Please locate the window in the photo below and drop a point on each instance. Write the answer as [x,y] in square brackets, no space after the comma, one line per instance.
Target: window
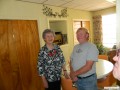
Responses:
[109,30]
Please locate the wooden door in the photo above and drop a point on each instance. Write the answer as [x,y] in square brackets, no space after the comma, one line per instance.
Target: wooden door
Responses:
[86,24]
[19,46]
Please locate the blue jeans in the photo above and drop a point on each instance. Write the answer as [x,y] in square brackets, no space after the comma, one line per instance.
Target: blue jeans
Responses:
[88,83]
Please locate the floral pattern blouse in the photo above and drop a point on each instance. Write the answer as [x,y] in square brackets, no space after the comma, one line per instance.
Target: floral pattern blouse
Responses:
[50,63]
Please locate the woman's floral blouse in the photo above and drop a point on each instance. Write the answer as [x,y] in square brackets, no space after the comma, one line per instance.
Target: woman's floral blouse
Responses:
[50,63]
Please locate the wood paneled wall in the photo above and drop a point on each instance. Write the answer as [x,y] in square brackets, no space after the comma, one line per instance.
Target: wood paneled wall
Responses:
[19,46]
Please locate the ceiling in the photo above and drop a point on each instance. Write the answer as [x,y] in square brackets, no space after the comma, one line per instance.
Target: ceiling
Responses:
[88,5]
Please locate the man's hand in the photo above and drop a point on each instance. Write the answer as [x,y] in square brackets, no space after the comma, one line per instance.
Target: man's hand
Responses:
[72,75]
[75,79]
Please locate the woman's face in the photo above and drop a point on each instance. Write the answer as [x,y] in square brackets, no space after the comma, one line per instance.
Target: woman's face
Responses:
[116,69]
[49,38]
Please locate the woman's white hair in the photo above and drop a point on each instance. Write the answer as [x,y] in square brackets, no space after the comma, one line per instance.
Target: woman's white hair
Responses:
[47,31]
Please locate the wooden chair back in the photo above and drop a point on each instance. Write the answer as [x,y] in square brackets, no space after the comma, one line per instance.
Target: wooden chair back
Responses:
[103,57]
[67,84]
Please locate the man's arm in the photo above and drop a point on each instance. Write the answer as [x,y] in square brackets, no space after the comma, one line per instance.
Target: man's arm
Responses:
[71,69]
[87,67]
[71,73]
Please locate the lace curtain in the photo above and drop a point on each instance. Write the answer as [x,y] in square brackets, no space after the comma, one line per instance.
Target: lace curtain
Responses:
[97,29]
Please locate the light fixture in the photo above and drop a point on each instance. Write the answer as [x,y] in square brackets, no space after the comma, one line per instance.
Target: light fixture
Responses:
[113,1]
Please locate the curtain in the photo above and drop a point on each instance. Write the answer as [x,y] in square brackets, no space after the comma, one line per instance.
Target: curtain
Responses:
[97,29]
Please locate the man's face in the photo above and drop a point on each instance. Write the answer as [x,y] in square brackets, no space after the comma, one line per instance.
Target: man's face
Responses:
[82,36]
[116,69]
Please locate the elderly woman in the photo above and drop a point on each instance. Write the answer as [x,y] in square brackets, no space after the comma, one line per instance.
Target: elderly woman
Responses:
[116,69]
[51,62]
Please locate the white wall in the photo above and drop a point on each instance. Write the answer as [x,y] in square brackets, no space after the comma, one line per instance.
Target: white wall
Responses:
[118,20]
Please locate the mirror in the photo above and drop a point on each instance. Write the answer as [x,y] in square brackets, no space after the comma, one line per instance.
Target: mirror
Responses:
[60,29]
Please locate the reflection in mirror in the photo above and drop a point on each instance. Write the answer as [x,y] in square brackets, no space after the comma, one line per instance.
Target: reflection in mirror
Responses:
[60,29]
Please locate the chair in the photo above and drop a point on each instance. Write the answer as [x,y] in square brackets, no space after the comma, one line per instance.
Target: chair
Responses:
[103,57]
[67,84]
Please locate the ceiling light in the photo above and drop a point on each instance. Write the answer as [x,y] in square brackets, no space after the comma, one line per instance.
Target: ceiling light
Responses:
[111,0]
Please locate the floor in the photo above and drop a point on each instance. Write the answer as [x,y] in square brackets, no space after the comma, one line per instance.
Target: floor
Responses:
[113,87]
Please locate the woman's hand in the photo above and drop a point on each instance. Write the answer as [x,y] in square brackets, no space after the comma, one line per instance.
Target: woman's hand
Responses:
[45,82]
[66,75]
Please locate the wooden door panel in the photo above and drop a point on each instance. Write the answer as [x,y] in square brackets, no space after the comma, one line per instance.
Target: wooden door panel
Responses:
[27,53]
[86,24]
[24,55]
[5,63]
[14,43]
[19,43]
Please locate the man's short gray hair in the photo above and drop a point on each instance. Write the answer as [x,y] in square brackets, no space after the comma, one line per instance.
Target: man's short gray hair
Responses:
[82,29]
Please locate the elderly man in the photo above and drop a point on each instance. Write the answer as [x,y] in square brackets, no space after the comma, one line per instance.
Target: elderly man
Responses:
[83,62]
[116,69]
